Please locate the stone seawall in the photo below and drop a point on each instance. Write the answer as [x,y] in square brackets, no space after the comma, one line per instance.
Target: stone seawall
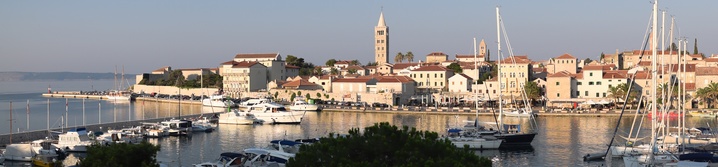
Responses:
[34,135]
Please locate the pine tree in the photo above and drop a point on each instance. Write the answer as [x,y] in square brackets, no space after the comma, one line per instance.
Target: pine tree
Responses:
[695,46]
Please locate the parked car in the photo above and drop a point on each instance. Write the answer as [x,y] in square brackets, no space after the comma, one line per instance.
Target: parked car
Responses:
[379,105]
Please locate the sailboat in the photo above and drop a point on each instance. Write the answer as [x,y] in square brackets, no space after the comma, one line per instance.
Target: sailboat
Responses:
[511,134]
[118,94]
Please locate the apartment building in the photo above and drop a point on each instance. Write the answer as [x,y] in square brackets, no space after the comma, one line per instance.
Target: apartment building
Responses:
[242,77]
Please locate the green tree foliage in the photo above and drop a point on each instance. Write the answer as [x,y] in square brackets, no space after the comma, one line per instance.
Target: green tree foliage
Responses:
[334,71]
[326,96]
[276,94]
[319,95]
[317,71]
[619,91]
[307,96]
[121,154]
[490,74]
[533,91]
[709,94]
[386,145]
[398,58]
[330,62]
[305,71]
[294,95]
[673,47]
[354,63]
[371,63]
[352,71]
[455,67]
[409,56]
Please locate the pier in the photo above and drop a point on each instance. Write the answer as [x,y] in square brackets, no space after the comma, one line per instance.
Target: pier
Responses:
[73,94]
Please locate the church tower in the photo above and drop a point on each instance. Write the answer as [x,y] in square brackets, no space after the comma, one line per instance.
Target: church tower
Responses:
[381,43]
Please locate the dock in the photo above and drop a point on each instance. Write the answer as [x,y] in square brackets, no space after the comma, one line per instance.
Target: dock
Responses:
[73,94]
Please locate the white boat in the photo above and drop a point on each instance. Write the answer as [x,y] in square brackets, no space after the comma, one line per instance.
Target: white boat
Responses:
[265,157]
[301,105]
[218,101]
[518,113]
[475,141]
[119,136]
[177,127]
[75,140]
[237,117]
[254,101]
[227,159]
[18,152]
[118,96]
[275,113]
[155,130]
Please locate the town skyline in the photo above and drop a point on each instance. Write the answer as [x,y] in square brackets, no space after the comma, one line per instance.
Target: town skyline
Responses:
[142,36]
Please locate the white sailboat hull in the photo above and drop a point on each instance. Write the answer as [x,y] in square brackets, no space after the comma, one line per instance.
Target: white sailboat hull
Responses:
[309,107]
[214,103]
[119,98]
[237,118]
[288,117]
[475,143]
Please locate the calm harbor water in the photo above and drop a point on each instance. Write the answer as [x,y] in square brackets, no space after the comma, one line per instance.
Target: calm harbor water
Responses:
[561,141]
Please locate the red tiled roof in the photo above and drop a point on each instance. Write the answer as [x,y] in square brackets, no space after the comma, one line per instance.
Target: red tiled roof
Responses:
[610,75]
[402,79]
[352,79]
[161,69]
[401,66]
[432,68]
[578,75]
[358,68]
[256,55]
[706,71]
[643,75]
[517,59]
[539,69]
[712,59]
[299,82]
[244,64]
[596,68]
[560,74]
[566,56]
[370,67]
[465,76]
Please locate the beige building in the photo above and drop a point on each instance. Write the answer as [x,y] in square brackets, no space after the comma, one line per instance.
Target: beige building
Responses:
[705,76]
[436,57]
[276,69]
[385,68]
[291,70]
[381,36]
[565,62]
[243,77]
[514,73]
[325,81]
[431,78]
[559,86]
[301,84]
[361,71]
[460,83]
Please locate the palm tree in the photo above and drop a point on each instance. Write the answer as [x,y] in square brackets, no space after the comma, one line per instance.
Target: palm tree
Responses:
[708,93]
[334,71]
[398,58]
[409,56]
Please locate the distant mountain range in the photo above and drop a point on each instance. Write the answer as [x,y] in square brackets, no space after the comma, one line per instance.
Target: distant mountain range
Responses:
[56,76]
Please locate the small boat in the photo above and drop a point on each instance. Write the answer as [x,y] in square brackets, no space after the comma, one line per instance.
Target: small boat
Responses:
[671,114]
[227,159]
[155,130]
[177,127]
[286,146]
[265,157]
[518,113]
[301,105]
[218,100]
[18,152]
[45,161]
[120,136]
[276,114]
[75,140]
[703,114]
[254,101]
[237,117]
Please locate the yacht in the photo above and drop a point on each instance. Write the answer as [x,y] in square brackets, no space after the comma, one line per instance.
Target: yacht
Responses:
[238,117]
[275,113]
[75,140]
[254,101]
[18,152]
[155,130]
[301,105]
[227,159]
[474,136]
[118,96]
[120,136]
[177,127]
[218,101]
[518,113]
[265,157]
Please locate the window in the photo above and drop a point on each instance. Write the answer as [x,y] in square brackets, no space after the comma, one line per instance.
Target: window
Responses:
[609,80]
[380,32]
[598,83]
[435,76]
[441,83]
[586,93]
[604,94]
[578,93]
[452,82]
[441,75]
[421,75]
[590,74]
[461,82]
[322,83]
[490,85]
[558,94]
[557,83]
[377,41]
[590,83]
[596,94]
[578,83]
[619,80]
[435,84]
[494,91]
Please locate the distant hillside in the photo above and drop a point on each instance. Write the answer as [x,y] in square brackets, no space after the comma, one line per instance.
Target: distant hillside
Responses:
[55,76]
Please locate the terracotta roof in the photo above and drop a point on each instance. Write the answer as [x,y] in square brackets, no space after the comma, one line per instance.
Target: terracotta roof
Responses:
[161,69]
[706,71]
[436,54]
[299,82]
[596,67]
[696,56]
[228,62]
[358,68]
[256,55]
[402,79]
[539,69]
[578,75]
[352,79]
[244,64]
[465,76]
[432,68]
[469,56]
[610,75]
[517,59]
[560,74]
[343,62]
[566,56]
[712,59]
[644,63]
[643,75]
[401,66]
[291,66]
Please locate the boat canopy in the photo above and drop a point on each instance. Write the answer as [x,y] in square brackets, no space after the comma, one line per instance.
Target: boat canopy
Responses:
[284,142]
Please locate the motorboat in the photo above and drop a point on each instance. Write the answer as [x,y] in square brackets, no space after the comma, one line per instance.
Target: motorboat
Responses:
[118,96]
[227,159]
[155,130]
[119,136]
[218,101]
[177,127]
[19,152]
[301,105]
[518,113]
[287,146]
[74,140]
[276,113]
[45,161]
[254,101]
[238,117]
[265,157]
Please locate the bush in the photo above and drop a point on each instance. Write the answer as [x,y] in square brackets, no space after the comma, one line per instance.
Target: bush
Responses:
[121,154]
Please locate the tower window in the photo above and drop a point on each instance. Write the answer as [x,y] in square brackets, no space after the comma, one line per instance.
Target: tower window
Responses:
[380,32]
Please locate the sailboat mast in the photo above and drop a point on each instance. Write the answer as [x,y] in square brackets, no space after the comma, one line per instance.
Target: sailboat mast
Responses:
[654,76]
[476,96]
[683,95]
[10,122]
[498,73]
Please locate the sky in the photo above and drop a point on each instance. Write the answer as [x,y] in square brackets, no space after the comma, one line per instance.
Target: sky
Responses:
[96,36]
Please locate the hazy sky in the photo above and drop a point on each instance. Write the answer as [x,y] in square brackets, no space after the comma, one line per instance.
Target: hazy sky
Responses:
[94,36]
